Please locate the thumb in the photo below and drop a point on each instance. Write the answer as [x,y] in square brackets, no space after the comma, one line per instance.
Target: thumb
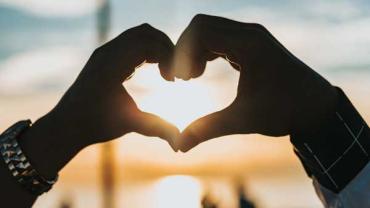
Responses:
[217,124]
[152,125]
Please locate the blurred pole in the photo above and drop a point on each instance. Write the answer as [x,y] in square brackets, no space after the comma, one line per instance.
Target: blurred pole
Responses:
[107,150]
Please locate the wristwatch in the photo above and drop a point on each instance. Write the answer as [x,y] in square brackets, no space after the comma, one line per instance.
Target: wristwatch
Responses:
[17,162]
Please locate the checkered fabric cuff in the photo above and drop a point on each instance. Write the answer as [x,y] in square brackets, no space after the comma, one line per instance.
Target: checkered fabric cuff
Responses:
[337,152]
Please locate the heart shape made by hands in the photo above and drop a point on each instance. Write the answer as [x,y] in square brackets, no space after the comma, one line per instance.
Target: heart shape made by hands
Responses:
[182,102]
[271,96]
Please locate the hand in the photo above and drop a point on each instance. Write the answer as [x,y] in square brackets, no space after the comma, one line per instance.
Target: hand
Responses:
[277,93]
[98,103]
[97,108]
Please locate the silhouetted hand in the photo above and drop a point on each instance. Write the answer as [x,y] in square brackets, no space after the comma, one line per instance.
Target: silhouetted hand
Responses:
[97,108]
[277,93]
[97,103]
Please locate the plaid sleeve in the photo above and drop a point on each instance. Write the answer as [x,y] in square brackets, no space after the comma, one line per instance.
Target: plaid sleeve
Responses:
[339,150]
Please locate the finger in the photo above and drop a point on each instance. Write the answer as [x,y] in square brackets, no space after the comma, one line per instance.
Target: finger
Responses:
[164,53]
[190,54]
[186,66]
[152,125]
[206,38]
[161,54]
[221,123]
[135,46]
[234,41]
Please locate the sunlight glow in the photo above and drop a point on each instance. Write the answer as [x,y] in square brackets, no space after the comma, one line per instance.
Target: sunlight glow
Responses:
[178,191]
[179,102]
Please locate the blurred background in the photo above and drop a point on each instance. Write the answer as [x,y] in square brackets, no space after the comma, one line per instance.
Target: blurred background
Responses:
[44,44]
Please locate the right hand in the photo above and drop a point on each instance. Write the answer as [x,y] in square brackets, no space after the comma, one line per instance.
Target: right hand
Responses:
[277,93]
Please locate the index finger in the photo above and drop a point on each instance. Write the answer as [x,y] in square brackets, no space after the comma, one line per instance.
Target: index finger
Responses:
[208,37]
[120,56]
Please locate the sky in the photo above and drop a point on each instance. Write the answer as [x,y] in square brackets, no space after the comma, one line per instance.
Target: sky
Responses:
[42,40]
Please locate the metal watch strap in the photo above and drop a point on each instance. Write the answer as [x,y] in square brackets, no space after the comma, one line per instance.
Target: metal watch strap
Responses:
[18,164]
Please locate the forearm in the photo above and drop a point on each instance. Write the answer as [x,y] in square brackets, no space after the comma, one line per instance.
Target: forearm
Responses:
[50,144]
[46,147]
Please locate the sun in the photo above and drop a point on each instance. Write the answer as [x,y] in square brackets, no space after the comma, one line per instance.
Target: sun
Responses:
[178,191]
[179,102]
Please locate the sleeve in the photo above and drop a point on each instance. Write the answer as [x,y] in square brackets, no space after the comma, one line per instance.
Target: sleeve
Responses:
[337,155]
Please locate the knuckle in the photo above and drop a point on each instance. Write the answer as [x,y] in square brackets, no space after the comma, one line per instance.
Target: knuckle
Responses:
[141,32]
[258,26]
[196,28]
[199,19]
[259,34]
[259,29]
[138,29]
[104,49]
[99,50]
[145,26]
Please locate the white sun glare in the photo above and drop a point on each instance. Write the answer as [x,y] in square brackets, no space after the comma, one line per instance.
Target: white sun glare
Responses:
[179,102]
[178,191]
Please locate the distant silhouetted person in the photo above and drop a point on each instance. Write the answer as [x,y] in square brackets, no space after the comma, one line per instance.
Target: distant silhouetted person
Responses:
[66,203]
[207,202]
[244,202]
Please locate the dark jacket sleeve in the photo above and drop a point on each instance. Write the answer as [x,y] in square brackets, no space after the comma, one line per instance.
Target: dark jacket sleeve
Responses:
[339,150]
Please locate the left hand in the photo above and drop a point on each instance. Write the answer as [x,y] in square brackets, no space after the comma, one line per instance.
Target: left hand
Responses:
[97,108]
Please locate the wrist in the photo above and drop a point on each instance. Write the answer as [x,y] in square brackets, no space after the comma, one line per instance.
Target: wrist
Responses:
[48,145]
[314,105]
